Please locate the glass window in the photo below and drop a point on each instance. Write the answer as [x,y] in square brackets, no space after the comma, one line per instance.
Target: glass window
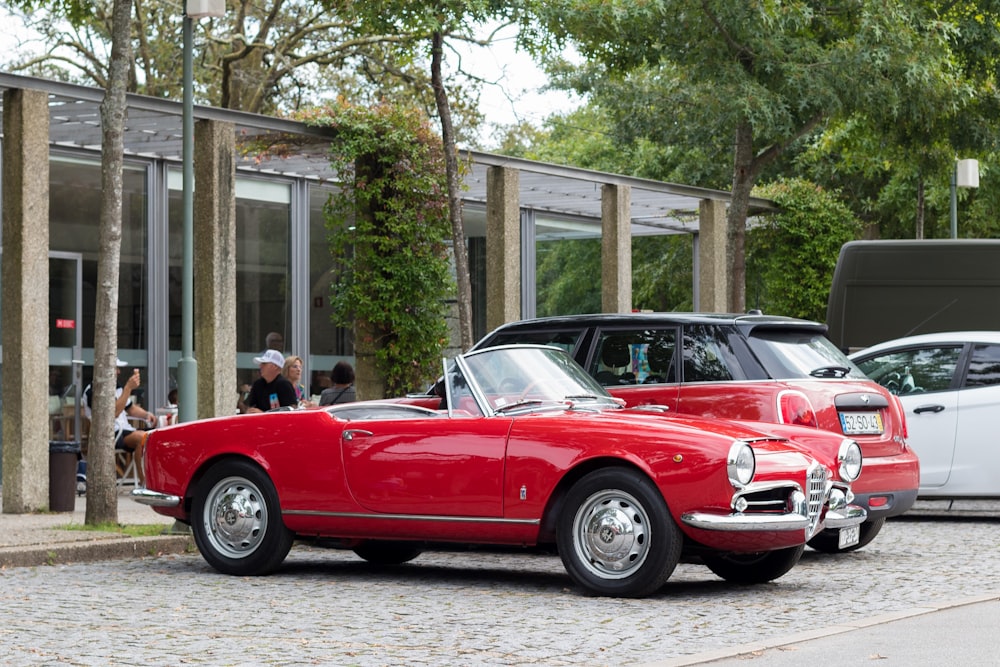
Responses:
[568,269]
[74,219]
[643,356]
[328,343]
[708,356]
[567,340]
[914,371]
[788,354]
[263,272]
[984,366]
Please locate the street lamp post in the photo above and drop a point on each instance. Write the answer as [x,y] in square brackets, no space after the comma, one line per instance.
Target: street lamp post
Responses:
[964,175]
[187,366]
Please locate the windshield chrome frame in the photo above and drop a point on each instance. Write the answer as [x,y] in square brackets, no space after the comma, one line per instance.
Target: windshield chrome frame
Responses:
[477,392]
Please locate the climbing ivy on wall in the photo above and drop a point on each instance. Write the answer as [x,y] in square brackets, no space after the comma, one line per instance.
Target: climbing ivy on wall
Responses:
[389,233]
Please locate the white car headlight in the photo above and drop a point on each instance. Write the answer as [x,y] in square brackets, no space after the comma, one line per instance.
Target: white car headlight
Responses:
[741,464]
[849,458]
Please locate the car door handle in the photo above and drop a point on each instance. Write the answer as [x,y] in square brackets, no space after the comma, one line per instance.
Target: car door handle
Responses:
[927,408]
[353,433]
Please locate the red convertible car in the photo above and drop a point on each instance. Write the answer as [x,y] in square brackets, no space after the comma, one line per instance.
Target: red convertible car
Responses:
[525,449]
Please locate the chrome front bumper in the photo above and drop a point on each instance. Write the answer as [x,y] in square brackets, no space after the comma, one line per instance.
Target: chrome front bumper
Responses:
[154,498]
[848,515]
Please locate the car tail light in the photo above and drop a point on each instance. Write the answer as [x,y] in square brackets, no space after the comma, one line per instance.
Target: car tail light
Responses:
[795,408]
[902,416]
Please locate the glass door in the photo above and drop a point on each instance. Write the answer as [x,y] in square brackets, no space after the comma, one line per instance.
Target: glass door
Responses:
[65,347]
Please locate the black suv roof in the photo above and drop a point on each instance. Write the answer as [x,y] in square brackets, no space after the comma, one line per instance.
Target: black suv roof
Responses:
[745,322]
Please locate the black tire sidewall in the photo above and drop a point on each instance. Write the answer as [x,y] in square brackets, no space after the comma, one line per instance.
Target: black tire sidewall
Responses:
[665,538]
[277,540]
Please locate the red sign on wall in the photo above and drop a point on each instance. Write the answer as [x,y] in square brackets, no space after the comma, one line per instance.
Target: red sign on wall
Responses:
[65,324]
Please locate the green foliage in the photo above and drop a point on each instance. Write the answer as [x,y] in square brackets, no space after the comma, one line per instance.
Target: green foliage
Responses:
[661,272]
[792,254]
[388,230]
[568,277]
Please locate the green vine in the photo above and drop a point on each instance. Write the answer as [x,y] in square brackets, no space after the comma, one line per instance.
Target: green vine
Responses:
[389,233]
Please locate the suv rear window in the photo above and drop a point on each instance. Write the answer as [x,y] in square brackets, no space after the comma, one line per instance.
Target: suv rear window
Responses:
[787,354]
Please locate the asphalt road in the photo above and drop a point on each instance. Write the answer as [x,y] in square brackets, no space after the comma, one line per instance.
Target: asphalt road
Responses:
[328,607]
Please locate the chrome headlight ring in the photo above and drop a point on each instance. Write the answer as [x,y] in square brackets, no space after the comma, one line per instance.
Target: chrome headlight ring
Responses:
[849,460]
[741,464]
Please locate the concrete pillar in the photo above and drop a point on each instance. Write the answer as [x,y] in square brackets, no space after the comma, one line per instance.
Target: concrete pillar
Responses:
[215,266]
[25,309]
[503,247]
[714,266]
[616,248]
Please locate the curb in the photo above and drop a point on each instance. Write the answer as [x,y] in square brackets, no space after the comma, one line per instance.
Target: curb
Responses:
[118,548]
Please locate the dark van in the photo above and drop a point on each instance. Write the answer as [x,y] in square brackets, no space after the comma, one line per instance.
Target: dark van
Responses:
[883,290]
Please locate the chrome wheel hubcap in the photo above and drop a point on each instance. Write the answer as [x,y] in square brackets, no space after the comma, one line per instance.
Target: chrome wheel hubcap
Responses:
[610,534]
[235,517]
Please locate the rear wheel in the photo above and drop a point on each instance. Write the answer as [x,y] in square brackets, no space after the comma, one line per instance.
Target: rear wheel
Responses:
[236,520]
[616,536]
[754,568]
[826,541]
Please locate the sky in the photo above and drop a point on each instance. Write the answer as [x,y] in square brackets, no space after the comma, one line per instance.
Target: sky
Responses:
[518,95]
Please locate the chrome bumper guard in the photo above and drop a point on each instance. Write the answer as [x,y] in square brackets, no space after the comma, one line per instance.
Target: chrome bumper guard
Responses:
[155,498]
[848,515]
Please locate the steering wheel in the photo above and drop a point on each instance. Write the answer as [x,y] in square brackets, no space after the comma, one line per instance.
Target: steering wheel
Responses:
[527,390]
[508,386]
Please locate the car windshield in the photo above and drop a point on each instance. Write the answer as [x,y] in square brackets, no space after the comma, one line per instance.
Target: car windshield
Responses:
[524,377]
[788,354]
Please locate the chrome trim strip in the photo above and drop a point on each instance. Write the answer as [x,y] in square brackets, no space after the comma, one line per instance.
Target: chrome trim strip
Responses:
[413,517]
[154,498]
[745,522]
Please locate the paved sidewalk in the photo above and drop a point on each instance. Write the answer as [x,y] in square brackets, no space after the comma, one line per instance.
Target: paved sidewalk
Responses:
[959,633]
[49,538]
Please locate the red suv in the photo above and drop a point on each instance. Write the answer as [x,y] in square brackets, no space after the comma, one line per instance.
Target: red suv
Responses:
[749,367]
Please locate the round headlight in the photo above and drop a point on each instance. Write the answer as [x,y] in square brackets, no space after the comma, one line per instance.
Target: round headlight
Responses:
[740,464]
[849,458]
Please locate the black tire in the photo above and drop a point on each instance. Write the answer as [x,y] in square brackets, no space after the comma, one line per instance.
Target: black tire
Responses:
[826,541]
[754,568]
[616,536]
[388,553]
[237,522]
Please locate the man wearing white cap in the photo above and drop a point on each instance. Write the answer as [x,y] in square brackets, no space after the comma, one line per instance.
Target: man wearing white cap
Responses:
[272,389]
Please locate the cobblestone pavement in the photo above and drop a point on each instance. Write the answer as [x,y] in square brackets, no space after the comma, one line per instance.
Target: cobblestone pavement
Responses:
[328,607]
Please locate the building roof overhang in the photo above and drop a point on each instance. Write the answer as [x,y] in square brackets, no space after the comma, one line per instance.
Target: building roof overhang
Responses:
[566,200]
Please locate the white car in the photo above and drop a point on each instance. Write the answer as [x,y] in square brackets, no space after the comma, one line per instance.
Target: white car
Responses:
[949,386]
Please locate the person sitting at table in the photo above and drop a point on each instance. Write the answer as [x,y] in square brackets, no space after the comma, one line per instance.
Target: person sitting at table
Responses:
[126,435]
[342,390]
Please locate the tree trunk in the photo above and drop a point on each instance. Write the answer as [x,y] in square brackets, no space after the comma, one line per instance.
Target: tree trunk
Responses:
[736,219]
[102,488]
[368,338]
[463,278]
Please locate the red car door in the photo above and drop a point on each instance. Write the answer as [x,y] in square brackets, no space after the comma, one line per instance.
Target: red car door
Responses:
[437,466]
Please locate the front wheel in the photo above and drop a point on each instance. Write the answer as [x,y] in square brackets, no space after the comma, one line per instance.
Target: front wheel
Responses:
[237,522]
[826,541]
[616,536]
[754,568]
